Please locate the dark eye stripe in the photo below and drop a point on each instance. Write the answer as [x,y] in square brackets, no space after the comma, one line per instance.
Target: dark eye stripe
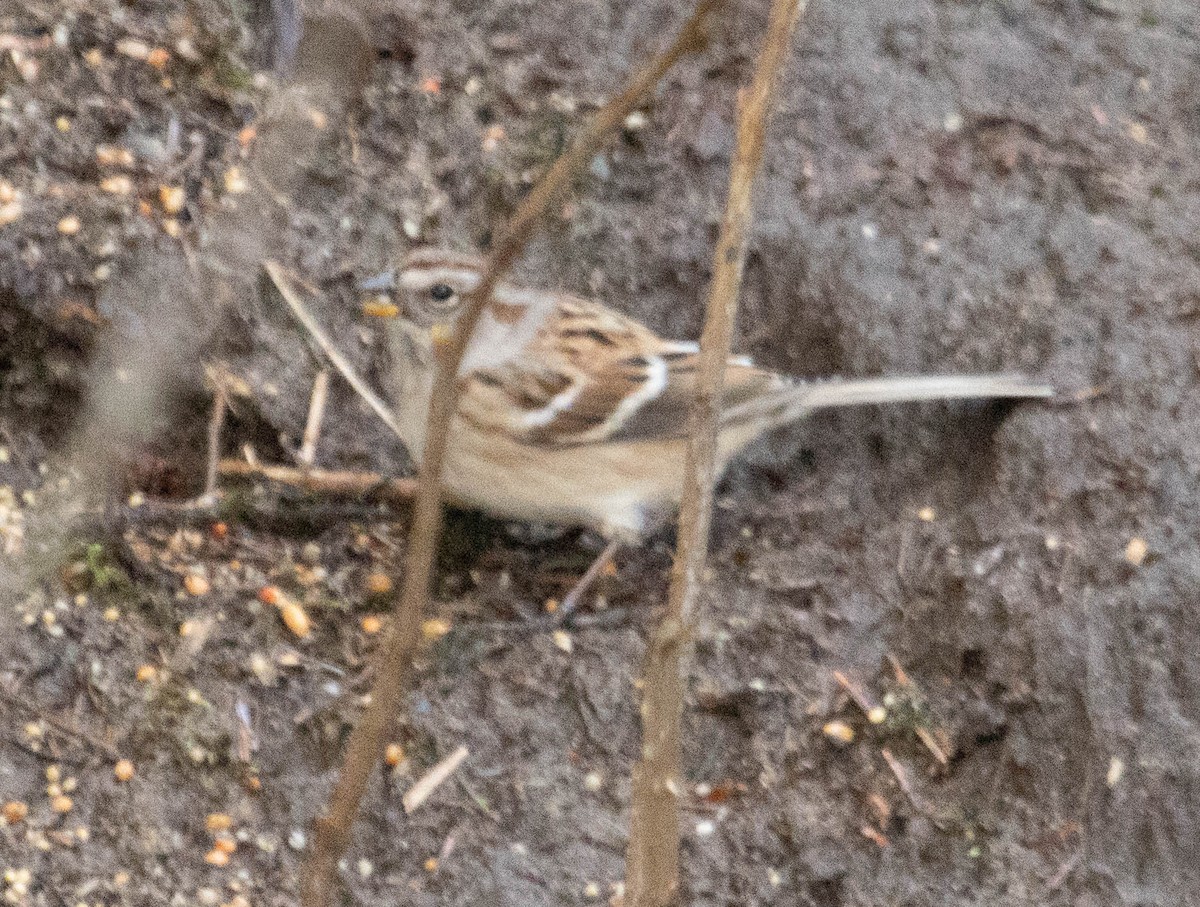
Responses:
[441,291]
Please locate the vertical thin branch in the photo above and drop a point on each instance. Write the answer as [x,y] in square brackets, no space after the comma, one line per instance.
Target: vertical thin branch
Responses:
[317,401]
[216,424]
[652,863]
[394,660]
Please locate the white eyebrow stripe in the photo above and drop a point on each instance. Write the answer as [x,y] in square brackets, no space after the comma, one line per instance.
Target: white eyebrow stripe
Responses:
[417,278]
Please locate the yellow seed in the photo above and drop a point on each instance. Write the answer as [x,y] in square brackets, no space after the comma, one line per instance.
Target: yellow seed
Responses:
[435,628]
[235,183]
[379,583]
[196,584]
[158,57]
[133,48]
[926,514]
[171,227]
[112,614]
[1136,551]
[215,822]
[146,673]
[53,774]
[62,124]
[123,770]
[1116,771]
[113,156]
[14,811]
[294,617]
[393,754]
[62,804]
[839,732]
[216,858]
[172,198]
[224,842]
[10,212]
[117,185]
[431,864]
[371,624]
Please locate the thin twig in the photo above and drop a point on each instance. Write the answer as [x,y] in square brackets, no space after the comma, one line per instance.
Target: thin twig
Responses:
[652,862]
[395,655]
[216,422]
[67,730]
[340,362]
[571,600]
[307,453]
[433,779]
[327,481]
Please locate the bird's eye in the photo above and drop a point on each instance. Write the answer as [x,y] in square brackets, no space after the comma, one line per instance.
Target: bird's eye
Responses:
[440,292]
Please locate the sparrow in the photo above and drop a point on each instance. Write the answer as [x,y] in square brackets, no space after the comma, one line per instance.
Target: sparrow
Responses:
[572,413]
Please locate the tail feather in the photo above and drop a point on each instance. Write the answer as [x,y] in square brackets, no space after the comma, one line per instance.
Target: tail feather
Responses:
[794,401]
[916,389]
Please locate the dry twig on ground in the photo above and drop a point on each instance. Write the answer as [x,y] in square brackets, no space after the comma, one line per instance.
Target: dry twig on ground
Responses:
[652,867]
[332,830]
[328,481]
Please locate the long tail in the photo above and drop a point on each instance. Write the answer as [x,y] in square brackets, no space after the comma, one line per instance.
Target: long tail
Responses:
[916,389]
[794,401]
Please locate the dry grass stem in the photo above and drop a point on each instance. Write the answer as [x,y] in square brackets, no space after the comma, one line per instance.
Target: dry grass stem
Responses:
[316,414]
[216,423]
[652,867]
[326,481]
[332,830]
[433,779]
[301,313]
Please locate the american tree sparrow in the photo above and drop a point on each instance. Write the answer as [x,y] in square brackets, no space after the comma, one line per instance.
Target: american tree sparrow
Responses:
[573,413]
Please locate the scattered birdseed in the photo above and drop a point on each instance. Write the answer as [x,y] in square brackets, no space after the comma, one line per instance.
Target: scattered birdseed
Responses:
[838,731]
[435,628]
[123,770]
[1136,551]
[216,858]
[1116,771]
[117,185]
[196,584]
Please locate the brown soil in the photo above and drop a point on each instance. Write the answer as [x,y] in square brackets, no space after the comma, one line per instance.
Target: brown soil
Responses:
[948,187]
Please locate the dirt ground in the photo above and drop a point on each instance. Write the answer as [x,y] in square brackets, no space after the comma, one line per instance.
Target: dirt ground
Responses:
[948,187]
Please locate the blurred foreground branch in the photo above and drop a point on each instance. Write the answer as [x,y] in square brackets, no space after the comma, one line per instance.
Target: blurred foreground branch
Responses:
[394,660]
[652,864]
